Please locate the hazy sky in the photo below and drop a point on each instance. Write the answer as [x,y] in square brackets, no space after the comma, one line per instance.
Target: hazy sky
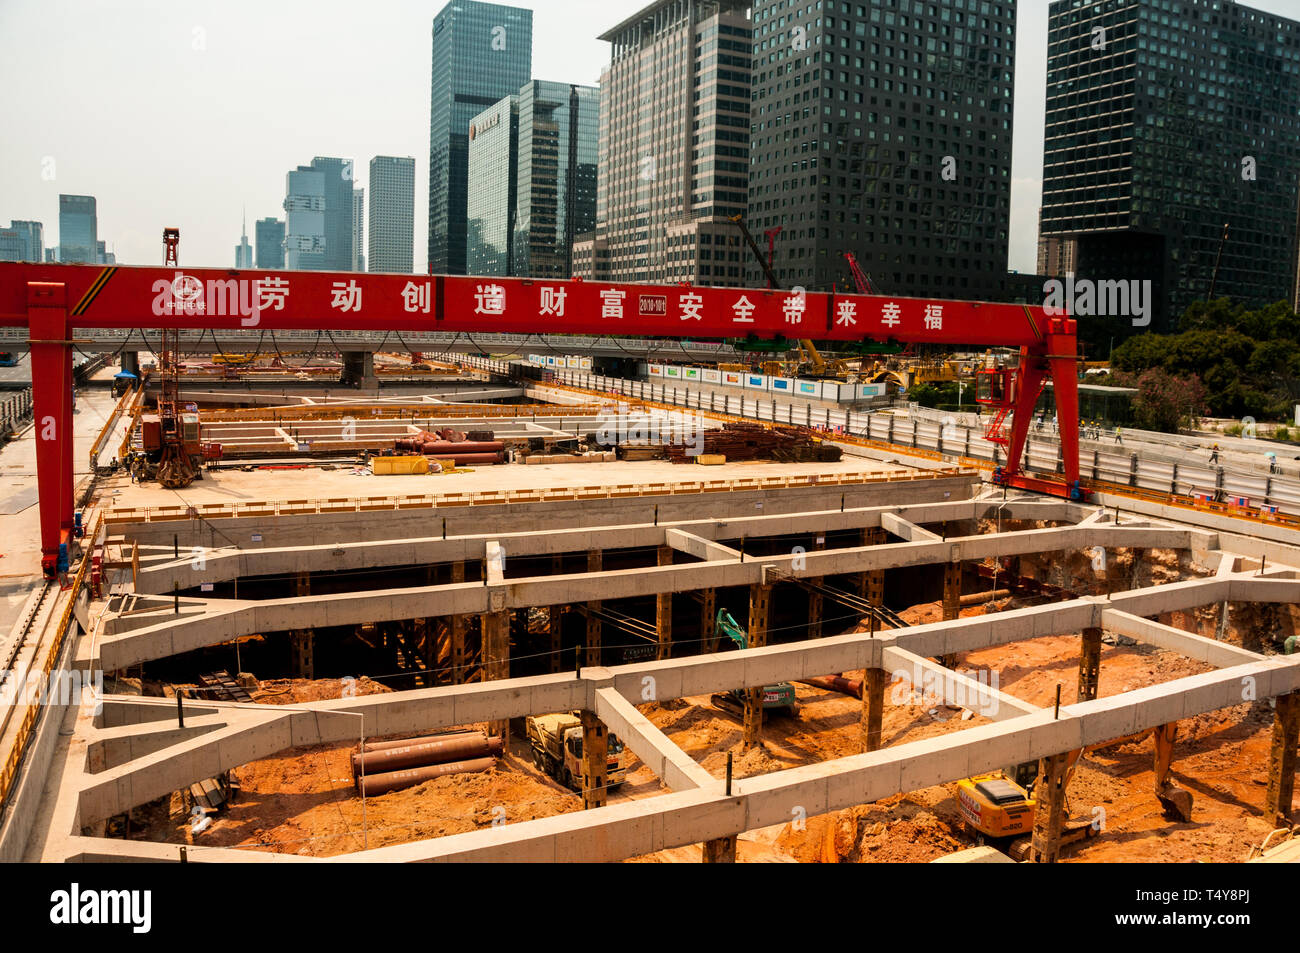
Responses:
[186,113]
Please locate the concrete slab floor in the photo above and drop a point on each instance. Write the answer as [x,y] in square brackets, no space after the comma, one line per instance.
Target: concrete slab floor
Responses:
[233,486]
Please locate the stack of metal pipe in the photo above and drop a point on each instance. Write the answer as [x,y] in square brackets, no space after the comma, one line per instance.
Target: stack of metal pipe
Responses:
[385,766]
[461,451]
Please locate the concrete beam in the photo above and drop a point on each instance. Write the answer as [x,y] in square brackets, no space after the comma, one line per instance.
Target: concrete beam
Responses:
[1218,654]
[893,523]
[699,547]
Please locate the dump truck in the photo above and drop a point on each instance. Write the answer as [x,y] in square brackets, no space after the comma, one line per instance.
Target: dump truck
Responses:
[556,741]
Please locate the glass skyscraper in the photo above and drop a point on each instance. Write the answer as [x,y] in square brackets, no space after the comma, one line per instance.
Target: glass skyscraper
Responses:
[556,183]
[78,229]
[482,52]
[268,233]
[1166,122]
[674,146]
[22,241]
[304,208]
[392,214]
[492,178]
[884,129]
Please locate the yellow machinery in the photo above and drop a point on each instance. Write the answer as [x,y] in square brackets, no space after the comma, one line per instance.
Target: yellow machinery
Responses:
[233,359]
[1001,806]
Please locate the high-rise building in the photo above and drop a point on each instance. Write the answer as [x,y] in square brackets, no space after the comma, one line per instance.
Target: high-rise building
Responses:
[1166,122]
[22,241]
[102,255]
[338,175]
[391,240]
[304,230]
[244,251]
[269,235]
[492,181]
[78,229]
[358,229]
[884,130]
[674,145]
[482,52]
[555,197]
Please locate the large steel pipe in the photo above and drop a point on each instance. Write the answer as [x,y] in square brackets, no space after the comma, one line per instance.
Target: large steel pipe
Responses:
[374,784]
[836,683]
[420,740]
[455,748]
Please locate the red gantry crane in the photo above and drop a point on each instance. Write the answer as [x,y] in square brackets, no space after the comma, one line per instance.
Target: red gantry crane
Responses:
[51,300]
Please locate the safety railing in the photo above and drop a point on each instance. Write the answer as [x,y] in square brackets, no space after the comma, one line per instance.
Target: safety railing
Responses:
[42,666]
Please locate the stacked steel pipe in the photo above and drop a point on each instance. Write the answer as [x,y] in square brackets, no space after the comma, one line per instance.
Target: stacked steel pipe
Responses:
[393,765]
[747,441]
[451,444]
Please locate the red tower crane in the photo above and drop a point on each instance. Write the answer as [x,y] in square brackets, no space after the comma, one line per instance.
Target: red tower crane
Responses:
[50,300]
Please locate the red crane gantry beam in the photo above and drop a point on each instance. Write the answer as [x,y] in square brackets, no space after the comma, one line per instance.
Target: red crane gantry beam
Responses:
[50,300]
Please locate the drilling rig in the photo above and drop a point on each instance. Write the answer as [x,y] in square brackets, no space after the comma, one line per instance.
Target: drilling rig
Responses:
[171,451]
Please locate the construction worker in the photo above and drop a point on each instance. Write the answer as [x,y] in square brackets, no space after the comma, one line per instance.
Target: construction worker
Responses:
[1119,439]
[1214,454]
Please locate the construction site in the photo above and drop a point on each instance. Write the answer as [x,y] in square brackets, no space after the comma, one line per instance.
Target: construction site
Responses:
[394,598]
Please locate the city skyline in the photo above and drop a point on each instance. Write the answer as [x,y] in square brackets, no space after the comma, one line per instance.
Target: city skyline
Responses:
[213,46]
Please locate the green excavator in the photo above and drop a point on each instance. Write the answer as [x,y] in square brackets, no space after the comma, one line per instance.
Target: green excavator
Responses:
[778,699]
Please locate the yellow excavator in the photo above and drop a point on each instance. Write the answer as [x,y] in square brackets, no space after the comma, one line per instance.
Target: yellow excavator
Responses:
[1000,807]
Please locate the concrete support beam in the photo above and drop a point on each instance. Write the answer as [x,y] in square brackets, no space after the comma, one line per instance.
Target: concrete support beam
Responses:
[677,770]
[302,642]
[459,675]
[664,610]
[815,599]
[594,559]
[699,547]
[595,761]
[980,695]
[721,850]
[708,619]
[895,524]
[496,657]
[1049,792]
[951,602]
[1282,759]
[873,707]
[1089,664]
[1210,651]
[494,563]
[759,608]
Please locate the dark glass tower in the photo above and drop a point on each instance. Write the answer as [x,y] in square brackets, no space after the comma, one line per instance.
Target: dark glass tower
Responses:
[1166,121]
[482,52]
[884,129]
[556,195]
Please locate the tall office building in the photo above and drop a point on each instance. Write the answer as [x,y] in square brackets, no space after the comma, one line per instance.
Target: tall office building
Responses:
[358,229]
[22,241]
[885,130]
[674,146]
[338,211]
[1166,122]
[78,229]
[492,180]
[243,251]
[269,235]
[482,52]
[391,238]
[102,255]
[555,197]
[304,228]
